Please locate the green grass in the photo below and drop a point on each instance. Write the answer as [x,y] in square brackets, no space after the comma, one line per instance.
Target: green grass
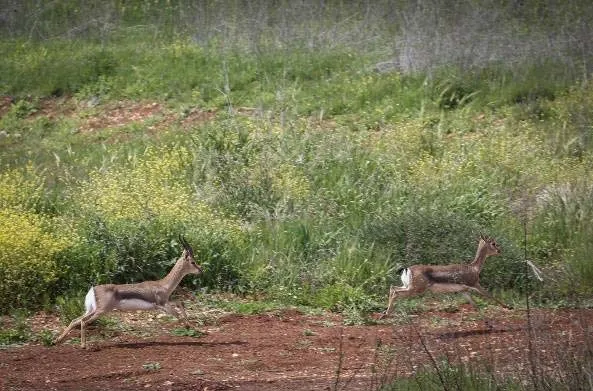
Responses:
[317,176]
[250,307]
[447,376]
[14,329]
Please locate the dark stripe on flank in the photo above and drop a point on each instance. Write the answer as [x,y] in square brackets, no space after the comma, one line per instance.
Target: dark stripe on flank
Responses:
[131,295]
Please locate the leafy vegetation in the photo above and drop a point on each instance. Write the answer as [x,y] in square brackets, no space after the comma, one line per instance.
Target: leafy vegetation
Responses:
[337,148]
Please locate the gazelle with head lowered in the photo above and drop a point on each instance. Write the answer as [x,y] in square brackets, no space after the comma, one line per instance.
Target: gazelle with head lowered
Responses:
[147,295]
[464,278]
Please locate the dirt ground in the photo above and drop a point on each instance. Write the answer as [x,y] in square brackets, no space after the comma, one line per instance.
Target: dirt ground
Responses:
[289,350]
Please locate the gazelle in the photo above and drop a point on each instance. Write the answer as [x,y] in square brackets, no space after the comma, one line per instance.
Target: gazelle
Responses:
[147,295]
[464,278]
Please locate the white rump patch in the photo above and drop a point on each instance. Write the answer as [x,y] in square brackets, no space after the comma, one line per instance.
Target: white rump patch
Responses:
[90,303]
[406,277]
[135,304]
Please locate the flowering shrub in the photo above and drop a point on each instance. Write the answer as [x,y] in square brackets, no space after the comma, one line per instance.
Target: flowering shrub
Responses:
[153,186]
[28,250]
[29,241]
[290,183]
[20,189]
[133,214]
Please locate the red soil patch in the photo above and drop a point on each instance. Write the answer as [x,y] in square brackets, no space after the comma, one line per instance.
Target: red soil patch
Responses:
[288,350]
[5,104]
[154,116]
[121,114]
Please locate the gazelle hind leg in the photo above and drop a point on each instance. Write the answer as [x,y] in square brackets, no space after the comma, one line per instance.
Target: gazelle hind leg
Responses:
[390,300]
[90,305]
[72,325]
[87,319]
[393,293]
[406,278]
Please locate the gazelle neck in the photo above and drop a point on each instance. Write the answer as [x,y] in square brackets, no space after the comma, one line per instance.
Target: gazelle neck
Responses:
[171,280]
[481,255]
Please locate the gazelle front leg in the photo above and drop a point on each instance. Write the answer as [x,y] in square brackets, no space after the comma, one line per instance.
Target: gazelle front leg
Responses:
[177,310]
[465,290]
[468,297]
[485,293]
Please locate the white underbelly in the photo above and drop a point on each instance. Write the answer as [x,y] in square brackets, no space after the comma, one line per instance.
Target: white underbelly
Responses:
[135,304]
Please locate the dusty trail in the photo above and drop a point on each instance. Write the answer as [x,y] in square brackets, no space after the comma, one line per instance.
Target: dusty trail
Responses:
[287,350]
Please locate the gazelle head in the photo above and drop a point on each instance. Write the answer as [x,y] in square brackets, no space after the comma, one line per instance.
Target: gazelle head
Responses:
[189,263]
[490,245]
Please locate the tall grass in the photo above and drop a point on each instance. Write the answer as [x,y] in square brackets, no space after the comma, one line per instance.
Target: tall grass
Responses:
[293,209]
[320,172]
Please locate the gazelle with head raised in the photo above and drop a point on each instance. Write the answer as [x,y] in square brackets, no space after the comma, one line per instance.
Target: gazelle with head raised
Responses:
[147,295]
[464,278]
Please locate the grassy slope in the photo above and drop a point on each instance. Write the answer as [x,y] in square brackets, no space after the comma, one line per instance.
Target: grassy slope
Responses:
[316,178]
